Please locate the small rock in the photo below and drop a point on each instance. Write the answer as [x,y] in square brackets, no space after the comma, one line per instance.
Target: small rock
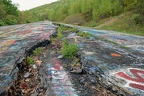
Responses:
[88,53]
[114,88]
[26,74]
[76,70]
[34,66]
[60,57]
[52,52]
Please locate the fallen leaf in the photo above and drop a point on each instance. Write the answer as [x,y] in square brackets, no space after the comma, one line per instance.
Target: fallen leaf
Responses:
[23,85]
[38,62]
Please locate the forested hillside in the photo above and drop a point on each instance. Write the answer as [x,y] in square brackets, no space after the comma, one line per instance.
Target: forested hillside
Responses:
[129,14]
[91,13]
[10,15]
[90,9]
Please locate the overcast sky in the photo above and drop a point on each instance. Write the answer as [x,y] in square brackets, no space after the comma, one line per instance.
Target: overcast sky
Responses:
[28,4]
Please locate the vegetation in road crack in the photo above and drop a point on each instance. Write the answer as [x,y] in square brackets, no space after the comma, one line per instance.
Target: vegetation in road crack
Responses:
[69,50]
[64,28]
[29,61]
[74,30]
[59,33]
[37,51]
[84,34]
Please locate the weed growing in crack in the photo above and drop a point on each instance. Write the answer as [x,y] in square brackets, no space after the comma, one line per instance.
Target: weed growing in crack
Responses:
[59,33]
[69,50]
[64,41]
[110,41]
[74,30]
[29,61]
[37,51]
[64,28]
[84,34]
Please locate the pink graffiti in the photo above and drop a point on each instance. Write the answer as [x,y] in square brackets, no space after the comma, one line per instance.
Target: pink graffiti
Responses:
[57,65]
[136,81]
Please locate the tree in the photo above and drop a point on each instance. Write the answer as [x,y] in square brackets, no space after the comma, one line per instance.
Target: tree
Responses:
[2,12]
[10,20]
[10,8]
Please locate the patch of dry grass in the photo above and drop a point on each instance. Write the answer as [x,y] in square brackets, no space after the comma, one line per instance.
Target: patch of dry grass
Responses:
[76,19]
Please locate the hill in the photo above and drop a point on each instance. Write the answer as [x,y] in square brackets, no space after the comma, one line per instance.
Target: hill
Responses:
[118,15]
[124,23]
[75,19]
[103,14]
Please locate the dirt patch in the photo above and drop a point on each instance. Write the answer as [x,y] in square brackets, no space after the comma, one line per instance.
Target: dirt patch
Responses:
[75,19]
[109,22]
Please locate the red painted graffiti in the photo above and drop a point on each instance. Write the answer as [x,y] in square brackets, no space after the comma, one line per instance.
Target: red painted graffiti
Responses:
[136,81]
[137,86]
[57,65]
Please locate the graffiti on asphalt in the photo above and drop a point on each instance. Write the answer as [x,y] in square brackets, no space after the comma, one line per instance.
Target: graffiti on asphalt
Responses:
[14,40]
[6,60]
[134,42]
[61,83]
[134,78]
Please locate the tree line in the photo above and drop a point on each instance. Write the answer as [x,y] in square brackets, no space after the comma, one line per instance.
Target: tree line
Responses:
[90,9]
[10,15]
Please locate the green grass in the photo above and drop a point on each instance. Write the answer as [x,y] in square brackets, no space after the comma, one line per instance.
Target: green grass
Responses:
[74,30]
[37,51]
[64,41]
[59,33]
[110,41]
[64,28]
[84,34]
[29,61]
[126,25]
[69,50]
[96,23]
[76,19]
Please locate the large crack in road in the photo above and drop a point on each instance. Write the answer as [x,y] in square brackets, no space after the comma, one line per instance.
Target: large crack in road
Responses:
[109,68]
[14,43]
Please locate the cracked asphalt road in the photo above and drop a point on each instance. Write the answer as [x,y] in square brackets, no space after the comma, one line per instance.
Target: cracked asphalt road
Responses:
[121,69]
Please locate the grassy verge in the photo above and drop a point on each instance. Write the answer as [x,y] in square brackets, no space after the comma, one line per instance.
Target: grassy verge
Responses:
[125,24]
[94,23]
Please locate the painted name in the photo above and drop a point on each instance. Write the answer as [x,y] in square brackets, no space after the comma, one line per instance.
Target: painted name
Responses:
[134,78]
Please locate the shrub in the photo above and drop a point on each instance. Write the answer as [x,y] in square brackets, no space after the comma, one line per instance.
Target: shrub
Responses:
[59,33]
[84,34]
[2,23]
[137,18]
[69,51]
[37,51]
[10,20]
[64,41]
[64,27]
[74,30]
[29,61]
